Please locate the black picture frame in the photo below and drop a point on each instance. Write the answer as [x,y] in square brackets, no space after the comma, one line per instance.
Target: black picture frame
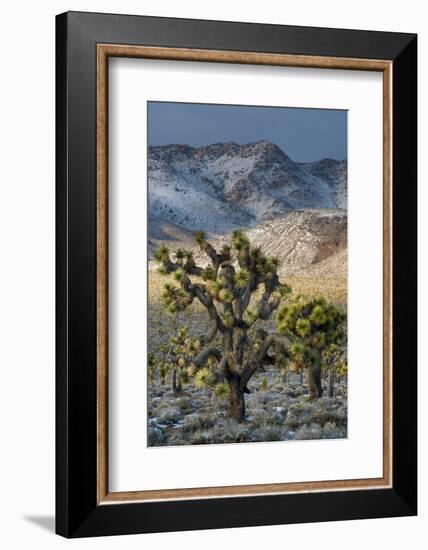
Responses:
[77,511]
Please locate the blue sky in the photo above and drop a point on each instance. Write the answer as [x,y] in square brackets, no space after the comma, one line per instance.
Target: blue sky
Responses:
[304,134]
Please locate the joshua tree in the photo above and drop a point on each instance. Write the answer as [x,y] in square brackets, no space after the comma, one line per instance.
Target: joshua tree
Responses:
[313,327]
[171,358]
[342,370]
[160,363]
[235,346]
[332,362]
[183,348]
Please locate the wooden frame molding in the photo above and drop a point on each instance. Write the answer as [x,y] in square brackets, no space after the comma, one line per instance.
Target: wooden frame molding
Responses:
[104,51]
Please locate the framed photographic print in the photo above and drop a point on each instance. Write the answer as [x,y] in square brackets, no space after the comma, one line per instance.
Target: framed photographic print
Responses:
[236,274]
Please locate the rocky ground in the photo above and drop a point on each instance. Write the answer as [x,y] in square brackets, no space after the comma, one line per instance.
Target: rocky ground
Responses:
[278,409]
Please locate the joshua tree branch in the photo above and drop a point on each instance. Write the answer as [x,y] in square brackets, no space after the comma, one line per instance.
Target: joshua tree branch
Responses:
[255,362]
[227,272]
[242,340]
[246,295]
[265,308]
[273,305]
[244,257]
[203,355]
[187,267]
[211,252]
[210,335]
[199,292]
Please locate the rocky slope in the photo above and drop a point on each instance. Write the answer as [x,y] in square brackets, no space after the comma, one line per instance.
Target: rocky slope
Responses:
[307,242]
[310,243]
[223,186]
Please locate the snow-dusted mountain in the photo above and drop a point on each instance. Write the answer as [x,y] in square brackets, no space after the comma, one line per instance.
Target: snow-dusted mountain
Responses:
[333,172]
[223,186]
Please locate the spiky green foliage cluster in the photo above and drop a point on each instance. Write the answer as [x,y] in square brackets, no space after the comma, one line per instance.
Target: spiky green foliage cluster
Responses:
[200,237]
[180,255]
[284,290]
[242,278]
[182,344]
[332,356]
[227,319]
[162,254]
[214,288]
[250,316]
[342,368]
[208,274]
[222,391]
[205,378]
[225,251]
[239,239]
[225,295]
[174,298]
[314,327]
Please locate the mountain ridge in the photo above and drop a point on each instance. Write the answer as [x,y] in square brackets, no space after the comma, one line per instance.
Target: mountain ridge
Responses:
[221,186]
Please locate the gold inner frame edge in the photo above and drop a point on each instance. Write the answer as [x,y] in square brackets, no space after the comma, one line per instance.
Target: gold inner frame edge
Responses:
[104,51]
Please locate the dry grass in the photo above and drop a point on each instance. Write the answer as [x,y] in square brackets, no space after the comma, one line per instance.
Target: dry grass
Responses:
[333,289]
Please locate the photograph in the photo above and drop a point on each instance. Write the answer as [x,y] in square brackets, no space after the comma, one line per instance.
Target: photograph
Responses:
[212,274]
[247,274]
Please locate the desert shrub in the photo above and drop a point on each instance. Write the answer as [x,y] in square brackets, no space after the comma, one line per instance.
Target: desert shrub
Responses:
[169,415]
[267,432]
[195,422]
[221,391]
[184,404]
[299,413]
[330,410]
[201,438]
[312,431]
[331,431]
[156,437]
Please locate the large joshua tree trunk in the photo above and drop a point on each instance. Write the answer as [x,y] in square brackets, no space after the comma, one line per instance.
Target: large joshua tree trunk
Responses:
[314,378]
[314,381]
[236,401]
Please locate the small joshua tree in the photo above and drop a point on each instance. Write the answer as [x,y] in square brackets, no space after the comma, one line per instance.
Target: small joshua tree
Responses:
[342,370]
[161,363]
[159,359]
[313,326]
[332,364]
[171,359]
[183,349]
[232,349]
